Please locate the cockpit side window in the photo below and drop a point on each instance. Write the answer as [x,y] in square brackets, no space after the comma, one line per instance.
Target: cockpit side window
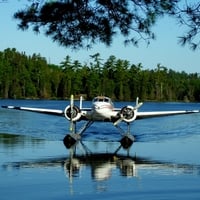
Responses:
[95,99]
[106,99]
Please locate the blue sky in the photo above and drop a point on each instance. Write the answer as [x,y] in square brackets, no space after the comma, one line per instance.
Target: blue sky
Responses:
[165,50]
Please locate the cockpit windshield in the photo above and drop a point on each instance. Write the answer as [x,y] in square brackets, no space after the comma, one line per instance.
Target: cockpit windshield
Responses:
[102,99]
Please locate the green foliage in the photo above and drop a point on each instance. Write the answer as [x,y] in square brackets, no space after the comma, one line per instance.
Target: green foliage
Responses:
[23,76]
[80,24]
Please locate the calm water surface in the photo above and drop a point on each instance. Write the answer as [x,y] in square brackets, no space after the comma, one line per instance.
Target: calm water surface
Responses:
[163,163]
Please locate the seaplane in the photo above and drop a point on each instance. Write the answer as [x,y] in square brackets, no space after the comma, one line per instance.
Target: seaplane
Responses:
[101,110]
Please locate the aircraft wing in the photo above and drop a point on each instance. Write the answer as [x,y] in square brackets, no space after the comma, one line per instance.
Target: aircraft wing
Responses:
[143,115]
[45,110]
[38,110]
[139,115]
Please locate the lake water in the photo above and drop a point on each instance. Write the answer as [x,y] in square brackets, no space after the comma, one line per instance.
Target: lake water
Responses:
[163,163]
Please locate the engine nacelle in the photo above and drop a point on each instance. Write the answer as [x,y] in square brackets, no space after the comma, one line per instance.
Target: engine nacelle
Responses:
[128,113]
[73,114]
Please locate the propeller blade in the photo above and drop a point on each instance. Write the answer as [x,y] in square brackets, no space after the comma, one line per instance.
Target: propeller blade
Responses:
[138,106]
[81,102]
[137,101]
[118,121]
[71,127]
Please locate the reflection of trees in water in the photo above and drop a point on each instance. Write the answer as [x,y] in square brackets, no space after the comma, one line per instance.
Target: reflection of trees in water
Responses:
[13,141]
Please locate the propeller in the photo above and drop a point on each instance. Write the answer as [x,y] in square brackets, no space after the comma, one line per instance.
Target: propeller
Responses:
[128,108]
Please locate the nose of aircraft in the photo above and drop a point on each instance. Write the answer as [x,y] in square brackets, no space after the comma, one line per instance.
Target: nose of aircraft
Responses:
[96,107]
[100,112]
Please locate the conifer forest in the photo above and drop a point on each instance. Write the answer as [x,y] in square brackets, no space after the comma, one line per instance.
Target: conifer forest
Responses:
[32,77]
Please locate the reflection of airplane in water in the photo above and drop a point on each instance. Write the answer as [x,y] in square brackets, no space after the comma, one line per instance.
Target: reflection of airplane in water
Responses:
[102,110]
[103,165]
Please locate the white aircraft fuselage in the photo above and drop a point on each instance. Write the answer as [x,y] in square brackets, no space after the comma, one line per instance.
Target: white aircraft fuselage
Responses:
[102,109]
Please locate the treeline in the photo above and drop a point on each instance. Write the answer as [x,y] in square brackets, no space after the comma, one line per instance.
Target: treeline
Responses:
[23,76]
